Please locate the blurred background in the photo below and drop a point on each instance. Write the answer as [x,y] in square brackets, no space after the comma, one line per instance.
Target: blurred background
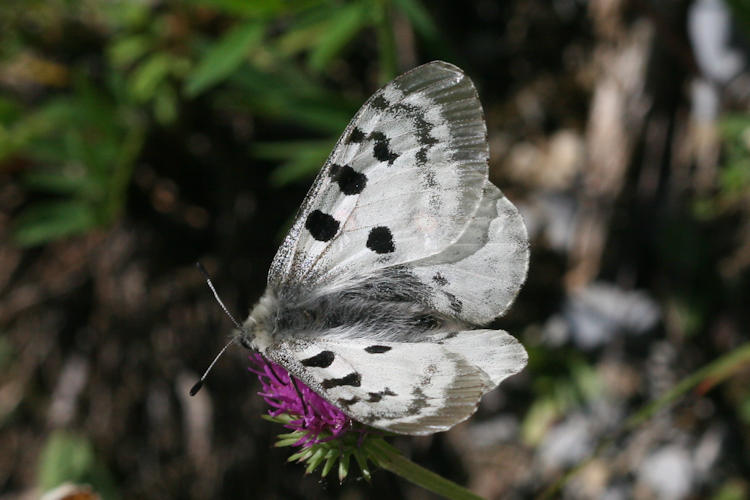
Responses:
[137,137]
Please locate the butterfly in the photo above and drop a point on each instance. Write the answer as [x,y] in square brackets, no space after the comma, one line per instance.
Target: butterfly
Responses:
[400,250]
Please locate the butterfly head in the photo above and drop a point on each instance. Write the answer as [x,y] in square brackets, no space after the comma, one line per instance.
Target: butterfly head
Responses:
[256,330]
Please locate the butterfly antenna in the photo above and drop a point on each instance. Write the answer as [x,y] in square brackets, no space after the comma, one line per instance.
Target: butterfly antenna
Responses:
[197,387]
[216,295]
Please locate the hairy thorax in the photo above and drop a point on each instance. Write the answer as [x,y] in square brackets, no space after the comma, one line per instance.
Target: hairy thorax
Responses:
[376,307]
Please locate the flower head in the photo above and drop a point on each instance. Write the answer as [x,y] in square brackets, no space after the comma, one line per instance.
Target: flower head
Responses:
[318,419]
[324,433]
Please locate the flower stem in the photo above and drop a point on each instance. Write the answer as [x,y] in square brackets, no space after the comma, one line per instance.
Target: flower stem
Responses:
[391,459]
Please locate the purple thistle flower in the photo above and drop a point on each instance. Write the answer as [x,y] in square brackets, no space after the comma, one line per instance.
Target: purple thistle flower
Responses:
[328,436]
[316,418]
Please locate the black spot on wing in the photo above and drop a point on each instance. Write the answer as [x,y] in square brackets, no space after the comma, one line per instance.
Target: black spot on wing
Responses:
[334,171]
[425,139]
[374,397]
[423,132]
[447,337]
[347,402]
[455,303]
[440,279]
[349,180]
[380,103]
[418,403]
[378,349]
[355,136]
[380,240]
[382,149]
[322,226]
[354,379]
[321,360]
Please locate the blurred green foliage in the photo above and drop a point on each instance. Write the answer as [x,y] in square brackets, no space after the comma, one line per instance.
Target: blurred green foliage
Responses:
[734,178]
[563,381]
[76,128]
[67,458]
[733,182]
[732,490]
[741,11]
[85,166]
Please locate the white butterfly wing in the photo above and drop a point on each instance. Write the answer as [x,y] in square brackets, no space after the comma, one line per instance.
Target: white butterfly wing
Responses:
[408,388]
[477,278]
[402,183]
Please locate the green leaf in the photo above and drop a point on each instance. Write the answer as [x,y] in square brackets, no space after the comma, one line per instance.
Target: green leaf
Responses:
[224,57]
[288,94]
[129,16]
[423,25]
[301,455]
[283,418]
[316,459]
[9,110]
[147,77]
[298,40]
[744,409]
[284,150]
[344,466]
[62,181]
[129,49]
[287,435]
[362,462]
[47,221]
[386,42]
[304,158]
[419,17]
[286,442]
[331,457]
[33,124]
[70,458]
[247,8]
[64,458]
[165,105]
[343,25]
[734,489]
[295,170]
[543,412]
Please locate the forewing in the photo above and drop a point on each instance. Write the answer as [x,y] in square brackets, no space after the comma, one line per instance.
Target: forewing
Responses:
[408,388]
[402,183]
